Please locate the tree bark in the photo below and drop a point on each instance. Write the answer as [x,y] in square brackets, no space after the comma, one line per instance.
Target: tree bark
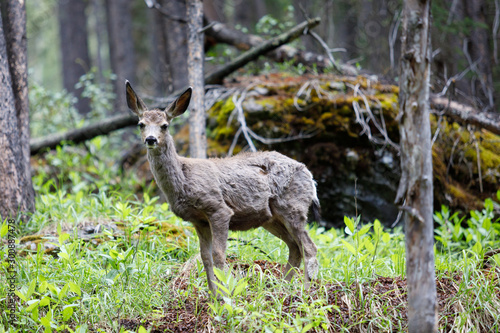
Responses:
[196,58]
[121,48]
[158,54]
[176,42]
[17,196]
[415,190]
[74,48]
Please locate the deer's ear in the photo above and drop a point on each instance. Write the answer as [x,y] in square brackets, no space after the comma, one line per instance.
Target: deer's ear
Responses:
[180,105]
[134,102]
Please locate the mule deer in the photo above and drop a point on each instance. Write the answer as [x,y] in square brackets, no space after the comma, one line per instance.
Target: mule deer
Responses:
[249,190]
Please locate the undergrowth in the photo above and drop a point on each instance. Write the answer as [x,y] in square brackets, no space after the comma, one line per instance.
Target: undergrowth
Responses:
[103,253]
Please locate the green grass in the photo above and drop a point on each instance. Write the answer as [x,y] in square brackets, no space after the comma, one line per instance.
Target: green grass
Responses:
[139,276]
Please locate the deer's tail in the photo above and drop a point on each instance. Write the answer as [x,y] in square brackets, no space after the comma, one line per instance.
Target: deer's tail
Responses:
[316,209]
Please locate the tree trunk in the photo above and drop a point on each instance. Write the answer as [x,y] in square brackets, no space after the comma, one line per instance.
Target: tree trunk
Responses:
[121,48]
[176,42]
[16,189]
[306,5]
[197,118]
[214,10]
[479,51]
[415,189]
[100,31]
[158,54]
[74,48]
[247,13]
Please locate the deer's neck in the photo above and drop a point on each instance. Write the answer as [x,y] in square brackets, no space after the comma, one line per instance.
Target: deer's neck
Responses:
[167,169]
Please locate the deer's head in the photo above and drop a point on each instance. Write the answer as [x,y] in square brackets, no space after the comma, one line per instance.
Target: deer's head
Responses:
[154,123]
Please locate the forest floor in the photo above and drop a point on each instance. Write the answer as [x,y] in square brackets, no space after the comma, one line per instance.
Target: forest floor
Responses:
[349,305]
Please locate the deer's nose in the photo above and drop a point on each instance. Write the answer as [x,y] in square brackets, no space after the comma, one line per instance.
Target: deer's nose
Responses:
[151,141]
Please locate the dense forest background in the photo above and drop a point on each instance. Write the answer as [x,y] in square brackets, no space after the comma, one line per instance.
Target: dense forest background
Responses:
[144,41]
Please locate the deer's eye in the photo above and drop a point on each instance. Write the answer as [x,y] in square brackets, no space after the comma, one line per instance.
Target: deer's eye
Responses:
[164,126]
[142,125]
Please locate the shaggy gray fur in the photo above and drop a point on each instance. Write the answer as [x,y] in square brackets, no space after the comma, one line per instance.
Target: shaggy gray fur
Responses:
[249,190]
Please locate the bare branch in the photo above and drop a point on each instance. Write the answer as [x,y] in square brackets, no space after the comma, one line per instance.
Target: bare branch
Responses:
[328,51]
[393,34]
[496,24]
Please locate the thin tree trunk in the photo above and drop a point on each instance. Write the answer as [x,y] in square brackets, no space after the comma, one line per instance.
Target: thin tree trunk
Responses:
[158,54]
[196,58]
[16,189]
[74,48]
[247,13]
[100,31]
[307,7]
[415,190]
[121,48]
[214,10]
[479,51]
[176,42]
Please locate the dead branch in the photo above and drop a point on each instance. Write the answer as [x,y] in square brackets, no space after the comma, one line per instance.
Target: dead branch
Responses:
[263,48]
[222,33]
[82,134]
[248,133]
[328,51]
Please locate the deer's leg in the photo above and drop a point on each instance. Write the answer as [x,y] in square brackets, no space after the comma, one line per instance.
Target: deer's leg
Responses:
[205,237]
[294,253]
[296,227]
[219,223]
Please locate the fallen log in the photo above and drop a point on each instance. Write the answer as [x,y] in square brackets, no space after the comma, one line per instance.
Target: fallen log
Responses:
[465,114]
[221,33]
[126,119]
[102,127]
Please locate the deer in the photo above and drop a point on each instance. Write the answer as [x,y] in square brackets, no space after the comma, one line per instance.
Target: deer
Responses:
[249,190]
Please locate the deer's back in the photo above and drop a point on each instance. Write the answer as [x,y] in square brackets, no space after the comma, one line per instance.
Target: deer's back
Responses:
[247,183]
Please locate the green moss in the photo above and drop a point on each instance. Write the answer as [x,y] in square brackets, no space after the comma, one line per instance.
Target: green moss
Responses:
[32,238]
[221,110]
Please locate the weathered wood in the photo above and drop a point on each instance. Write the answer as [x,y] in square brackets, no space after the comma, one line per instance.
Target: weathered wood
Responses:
[196,58]
[102,127]
[415,192]
[112,124]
